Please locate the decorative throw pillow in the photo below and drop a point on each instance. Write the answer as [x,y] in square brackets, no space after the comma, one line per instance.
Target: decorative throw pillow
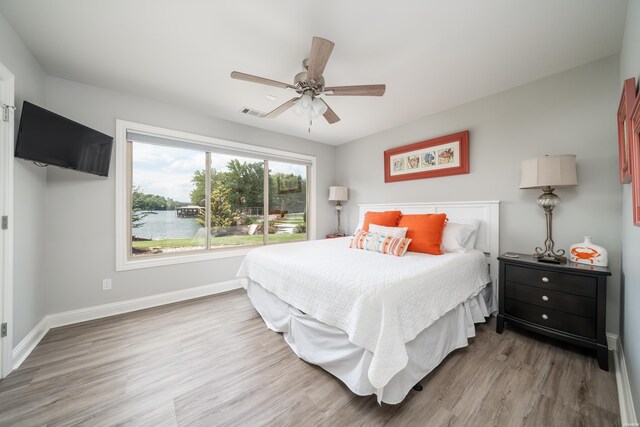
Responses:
[459,237]
[425,232]
[378,243]
[386,218]
[388,231]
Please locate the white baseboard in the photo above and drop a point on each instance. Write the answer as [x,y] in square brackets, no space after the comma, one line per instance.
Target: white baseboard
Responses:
[26,346]
[612,341]
[625,398]
[111,309]
[28,343]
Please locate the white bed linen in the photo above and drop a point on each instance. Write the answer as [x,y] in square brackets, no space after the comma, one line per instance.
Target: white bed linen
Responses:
[330,348]
[380,301]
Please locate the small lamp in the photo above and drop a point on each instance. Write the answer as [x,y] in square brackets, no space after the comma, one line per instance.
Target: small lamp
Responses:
[547,173]
[338,195]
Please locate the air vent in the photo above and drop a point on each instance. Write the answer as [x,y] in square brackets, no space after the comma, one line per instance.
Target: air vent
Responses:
[251,112]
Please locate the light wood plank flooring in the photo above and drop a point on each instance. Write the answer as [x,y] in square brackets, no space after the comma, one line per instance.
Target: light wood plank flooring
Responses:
[213,362]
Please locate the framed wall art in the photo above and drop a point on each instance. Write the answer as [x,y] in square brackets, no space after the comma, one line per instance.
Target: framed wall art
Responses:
[634,152]
[446,155]
[625,129]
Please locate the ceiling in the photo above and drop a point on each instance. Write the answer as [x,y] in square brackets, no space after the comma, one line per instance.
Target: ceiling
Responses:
[432,54]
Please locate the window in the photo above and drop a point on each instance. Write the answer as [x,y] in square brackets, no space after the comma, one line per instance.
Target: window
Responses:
[236,201]
[287,202]
[163,217]
[184,197]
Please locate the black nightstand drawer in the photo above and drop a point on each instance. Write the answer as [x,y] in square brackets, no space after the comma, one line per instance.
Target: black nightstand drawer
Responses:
[562,282]
[573,304]
[565,322]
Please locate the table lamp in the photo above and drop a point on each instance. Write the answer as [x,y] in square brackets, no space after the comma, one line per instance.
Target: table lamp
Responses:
[338,194]
[547,173]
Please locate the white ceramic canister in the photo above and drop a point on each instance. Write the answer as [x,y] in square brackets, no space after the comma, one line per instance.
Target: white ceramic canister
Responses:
[589,253]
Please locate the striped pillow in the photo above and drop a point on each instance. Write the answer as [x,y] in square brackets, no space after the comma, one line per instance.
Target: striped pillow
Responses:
[378,243]
[388,231]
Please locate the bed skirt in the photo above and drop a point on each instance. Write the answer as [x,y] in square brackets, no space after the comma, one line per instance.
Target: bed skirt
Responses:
[329,347]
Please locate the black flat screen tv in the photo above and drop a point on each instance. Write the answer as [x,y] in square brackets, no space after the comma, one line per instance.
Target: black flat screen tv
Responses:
[46,137]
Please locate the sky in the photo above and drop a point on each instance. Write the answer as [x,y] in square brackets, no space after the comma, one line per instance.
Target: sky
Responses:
[167,171]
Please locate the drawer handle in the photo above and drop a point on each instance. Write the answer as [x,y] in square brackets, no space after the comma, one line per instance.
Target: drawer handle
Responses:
[545,317]
[545,279]
[545,298]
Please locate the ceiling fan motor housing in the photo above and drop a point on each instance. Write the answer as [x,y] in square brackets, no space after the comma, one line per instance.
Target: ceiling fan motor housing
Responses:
[301,80]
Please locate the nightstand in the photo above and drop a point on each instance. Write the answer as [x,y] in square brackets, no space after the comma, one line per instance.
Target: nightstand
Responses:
[563,301]
[334,236]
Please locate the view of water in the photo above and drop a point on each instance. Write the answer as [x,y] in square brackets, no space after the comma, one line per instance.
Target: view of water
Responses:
[166,225]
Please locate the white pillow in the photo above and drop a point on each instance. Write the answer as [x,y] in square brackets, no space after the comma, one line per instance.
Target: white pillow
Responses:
[388,231]
[460,237]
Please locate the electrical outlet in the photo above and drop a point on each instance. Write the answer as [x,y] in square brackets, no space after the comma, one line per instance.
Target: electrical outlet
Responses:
[106,284]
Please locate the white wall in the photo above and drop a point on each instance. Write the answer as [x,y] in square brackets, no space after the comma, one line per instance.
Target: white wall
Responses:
[80,218]
[569,113]
[630,295]
[29,298]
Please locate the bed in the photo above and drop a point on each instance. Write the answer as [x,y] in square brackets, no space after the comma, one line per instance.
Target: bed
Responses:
[377,322]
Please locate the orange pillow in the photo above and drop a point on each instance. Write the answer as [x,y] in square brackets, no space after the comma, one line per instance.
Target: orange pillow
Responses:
[425,232]
[386,218]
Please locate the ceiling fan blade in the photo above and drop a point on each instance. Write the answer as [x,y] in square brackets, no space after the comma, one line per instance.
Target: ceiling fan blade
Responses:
[330,115]
[320,52]
[363,90]
[255,79]
[281,109]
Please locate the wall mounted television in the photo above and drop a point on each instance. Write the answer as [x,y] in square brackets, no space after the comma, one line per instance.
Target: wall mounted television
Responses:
[47,137]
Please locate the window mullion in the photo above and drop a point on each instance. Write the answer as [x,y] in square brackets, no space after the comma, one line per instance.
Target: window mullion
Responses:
[207,199]
[129,201]
[265,209]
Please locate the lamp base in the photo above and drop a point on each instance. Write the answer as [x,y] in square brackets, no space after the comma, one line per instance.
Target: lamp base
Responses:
[548,200]
[551,259]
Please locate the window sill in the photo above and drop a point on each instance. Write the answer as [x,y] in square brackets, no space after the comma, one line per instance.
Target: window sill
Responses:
[160,261]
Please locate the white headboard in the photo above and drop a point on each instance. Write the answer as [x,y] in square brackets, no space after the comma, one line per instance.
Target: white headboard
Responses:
[488,213]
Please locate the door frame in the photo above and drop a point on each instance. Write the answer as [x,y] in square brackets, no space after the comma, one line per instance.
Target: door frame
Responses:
[7,81]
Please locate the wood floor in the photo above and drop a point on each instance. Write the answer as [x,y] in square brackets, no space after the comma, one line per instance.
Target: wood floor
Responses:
[212,361]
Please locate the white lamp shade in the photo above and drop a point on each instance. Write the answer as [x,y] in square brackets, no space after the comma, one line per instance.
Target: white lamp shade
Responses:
[338,194]
[305,101]
[549,171]
[303,105]
[319,107]
[314,107]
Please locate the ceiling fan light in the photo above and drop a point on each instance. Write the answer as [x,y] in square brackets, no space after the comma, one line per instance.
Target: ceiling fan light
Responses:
[298,109]
[305,102]
[319,107]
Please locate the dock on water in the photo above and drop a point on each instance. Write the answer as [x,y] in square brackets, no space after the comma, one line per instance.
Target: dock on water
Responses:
[189,211]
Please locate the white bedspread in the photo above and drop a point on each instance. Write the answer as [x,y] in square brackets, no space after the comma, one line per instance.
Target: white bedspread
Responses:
[380,301]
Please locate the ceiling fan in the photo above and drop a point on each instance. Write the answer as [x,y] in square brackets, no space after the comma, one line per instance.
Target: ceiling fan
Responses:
[310,85]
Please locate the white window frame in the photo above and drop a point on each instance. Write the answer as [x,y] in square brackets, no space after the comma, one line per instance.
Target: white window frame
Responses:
[123,261]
